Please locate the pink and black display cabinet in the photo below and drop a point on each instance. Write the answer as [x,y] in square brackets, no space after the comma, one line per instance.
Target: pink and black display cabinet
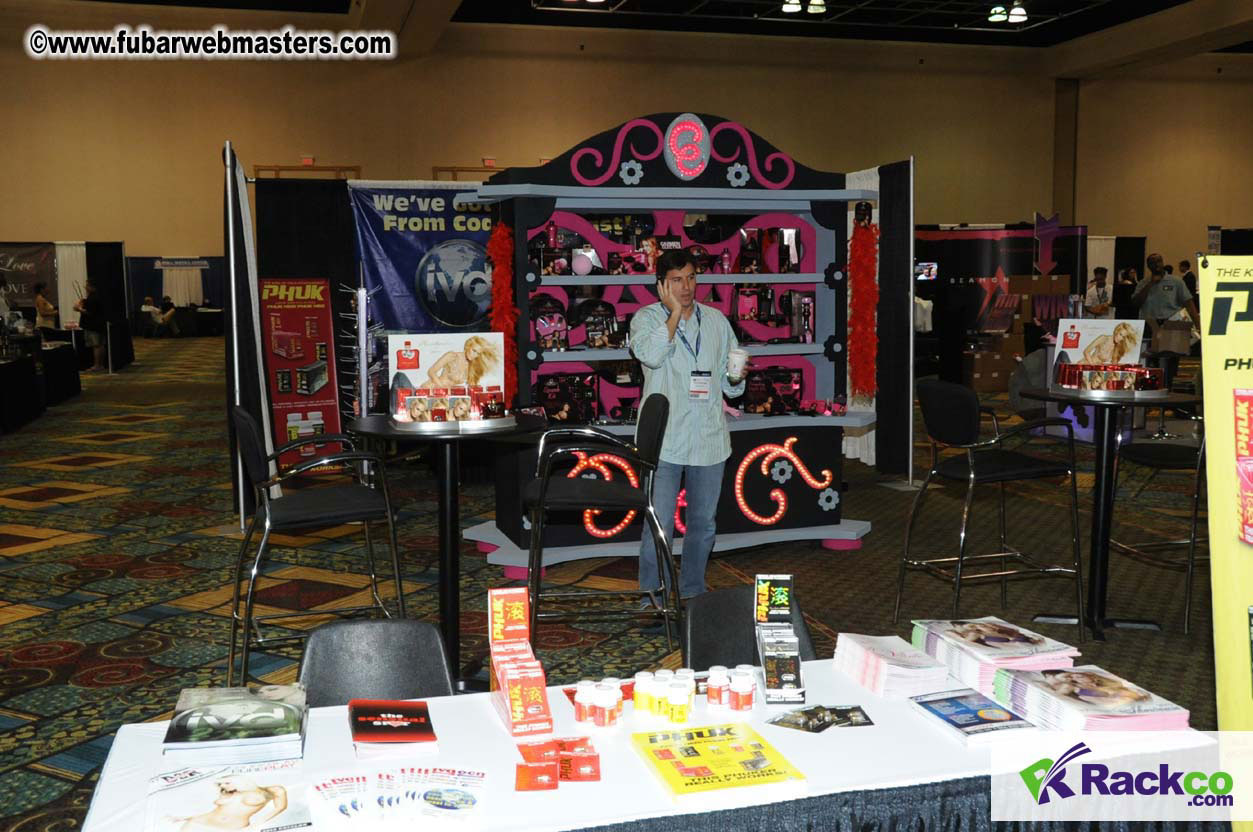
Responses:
[584,226]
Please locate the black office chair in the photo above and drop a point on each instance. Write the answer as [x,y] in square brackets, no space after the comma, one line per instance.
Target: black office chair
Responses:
[951,414]
[718,629]
[554,491]
[355,502]
[374,659]
[1168,456]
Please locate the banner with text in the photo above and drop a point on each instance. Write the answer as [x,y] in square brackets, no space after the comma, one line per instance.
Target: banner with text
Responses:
[1226,285]
[423,258]
[296,339]
[22,265]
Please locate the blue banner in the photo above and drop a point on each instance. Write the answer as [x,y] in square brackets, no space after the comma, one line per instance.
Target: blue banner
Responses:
[424,259]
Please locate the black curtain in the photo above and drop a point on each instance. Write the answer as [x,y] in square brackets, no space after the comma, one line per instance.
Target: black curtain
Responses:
[241,332]
[305,228]
[1237,241]
[106,268]
[894,400]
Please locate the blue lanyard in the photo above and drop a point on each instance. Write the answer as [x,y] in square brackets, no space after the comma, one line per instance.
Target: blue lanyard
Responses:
[683,338]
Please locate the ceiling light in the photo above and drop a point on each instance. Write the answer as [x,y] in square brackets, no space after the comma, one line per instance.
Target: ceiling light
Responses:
[1017,14]
[595,1]
[816,6]
[791,6]
[998,15]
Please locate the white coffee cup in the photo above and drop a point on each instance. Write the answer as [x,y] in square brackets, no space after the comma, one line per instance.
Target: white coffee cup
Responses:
[737,362]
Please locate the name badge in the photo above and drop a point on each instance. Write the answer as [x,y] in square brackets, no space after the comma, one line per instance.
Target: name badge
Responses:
[701,385]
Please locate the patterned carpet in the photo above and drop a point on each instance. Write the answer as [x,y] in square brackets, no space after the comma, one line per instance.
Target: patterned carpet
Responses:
[117,542]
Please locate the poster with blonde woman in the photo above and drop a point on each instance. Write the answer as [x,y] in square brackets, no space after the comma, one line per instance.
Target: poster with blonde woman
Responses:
[261,797]
[446,376]
[1097,341]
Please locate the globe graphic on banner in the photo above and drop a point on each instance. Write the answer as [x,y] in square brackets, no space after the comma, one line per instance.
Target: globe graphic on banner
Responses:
[454,285]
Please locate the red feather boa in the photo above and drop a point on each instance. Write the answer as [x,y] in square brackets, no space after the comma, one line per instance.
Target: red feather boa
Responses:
[504,314]
[863,286]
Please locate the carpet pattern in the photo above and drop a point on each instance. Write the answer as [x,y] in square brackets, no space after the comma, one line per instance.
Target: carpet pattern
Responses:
[117,545]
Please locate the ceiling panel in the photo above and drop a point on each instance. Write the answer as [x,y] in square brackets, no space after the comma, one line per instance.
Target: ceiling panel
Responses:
[937,21]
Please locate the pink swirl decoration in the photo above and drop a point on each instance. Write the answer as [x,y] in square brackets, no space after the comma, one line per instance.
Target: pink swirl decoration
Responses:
[598,158]
[769,454]
[758,176]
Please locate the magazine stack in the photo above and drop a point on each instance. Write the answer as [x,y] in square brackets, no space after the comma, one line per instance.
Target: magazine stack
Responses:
[974,649]
[226,726]
[1086,698]
[889,666]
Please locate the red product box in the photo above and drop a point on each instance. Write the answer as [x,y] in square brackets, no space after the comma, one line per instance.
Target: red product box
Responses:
[584,767]
[533,777]
[539,751]
[508,615]
[1244,463]
[521,699]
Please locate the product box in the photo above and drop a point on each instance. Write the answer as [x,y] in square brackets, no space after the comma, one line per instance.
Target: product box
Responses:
[781,666]
[521,699]
[508,615]
[311,378]
[519,689]
[287,344]
[777,644]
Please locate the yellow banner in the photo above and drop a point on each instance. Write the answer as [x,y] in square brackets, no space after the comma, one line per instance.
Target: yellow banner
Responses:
[1226,290]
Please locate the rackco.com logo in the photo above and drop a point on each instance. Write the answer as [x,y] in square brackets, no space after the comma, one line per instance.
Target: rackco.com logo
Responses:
[1046,779]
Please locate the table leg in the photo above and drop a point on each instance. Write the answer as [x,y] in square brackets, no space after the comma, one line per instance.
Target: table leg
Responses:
[450,553]
[1106,435]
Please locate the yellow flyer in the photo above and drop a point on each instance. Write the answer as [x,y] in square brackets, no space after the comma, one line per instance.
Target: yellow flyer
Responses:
[1226,290]
[710,757]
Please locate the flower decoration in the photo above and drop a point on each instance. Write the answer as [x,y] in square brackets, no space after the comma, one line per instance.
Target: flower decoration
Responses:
[781,471]
[829,499]
[631,172]
[737,175]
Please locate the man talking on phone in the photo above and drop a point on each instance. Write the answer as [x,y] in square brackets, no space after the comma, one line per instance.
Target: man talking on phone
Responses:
[685,347]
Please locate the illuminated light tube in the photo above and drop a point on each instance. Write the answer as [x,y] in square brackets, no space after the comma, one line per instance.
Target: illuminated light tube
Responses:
[598,464]
[769,453]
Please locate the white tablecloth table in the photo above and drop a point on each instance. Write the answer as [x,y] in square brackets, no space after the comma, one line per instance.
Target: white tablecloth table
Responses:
[900,749]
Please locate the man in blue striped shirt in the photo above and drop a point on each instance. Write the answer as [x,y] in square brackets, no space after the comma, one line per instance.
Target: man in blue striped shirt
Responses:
[684,347]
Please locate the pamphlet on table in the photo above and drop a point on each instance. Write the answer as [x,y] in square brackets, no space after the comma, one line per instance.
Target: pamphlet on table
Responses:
[238,725]
[973,649]
[1086,698]
[261,797]
[390,727]
[889,666]
[404,797]
[711,757]
[970,716]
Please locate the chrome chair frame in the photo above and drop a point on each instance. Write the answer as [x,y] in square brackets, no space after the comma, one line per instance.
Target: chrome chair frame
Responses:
[953,569]
[251,625]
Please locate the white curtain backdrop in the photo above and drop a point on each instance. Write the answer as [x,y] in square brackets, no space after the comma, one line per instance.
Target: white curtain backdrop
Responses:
[183,286]
[859,442]
[71,279]
[1100,253]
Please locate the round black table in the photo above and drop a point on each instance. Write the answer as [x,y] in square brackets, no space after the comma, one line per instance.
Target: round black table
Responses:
[1105,435]
[448,463]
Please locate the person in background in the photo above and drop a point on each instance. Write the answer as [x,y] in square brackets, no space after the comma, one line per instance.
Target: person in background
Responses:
[1188,277]
[148,326]
[1098,302]
[1160,296]
[91,322]
[684,347]
[45,312]
[166,325]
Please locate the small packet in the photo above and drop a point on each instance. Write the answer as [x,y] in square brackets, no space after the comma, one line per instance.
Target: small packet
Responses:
[540,751]
[579,767]
[533,777]
[575,745]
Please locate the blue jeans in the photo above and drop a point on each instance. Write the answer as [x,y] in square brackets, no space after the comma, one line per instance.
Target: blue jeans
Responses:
[704,485]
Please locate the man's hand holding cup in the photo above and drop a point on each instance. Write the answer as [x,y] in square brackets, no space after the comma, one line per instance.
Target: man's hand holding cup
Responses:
[737,364]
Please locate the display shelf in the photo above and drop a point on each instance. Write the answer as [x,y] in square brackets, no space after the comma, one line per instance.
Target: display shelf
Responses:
[508,554]
[649,280]
[606,354]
